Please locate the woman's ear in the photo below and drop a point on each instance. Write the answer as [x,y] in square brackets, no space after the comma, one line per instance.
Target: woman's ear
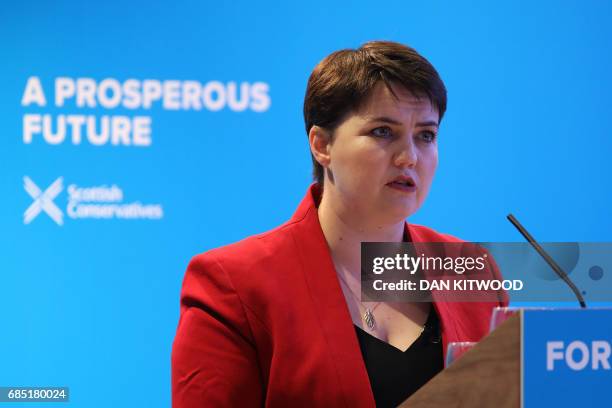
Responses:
[320,141]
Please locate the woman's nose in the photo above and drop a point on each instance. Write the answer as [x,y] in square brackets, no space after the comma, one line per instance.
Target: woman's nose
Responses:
[406,157]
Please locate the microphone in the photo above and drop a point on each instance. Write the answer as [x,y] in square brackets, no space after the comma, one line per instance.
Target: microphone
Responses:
[551,262]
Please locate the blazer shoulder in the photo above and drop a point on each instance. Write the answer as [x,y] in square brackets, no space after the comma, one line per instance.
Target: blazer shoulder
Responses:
[256,252]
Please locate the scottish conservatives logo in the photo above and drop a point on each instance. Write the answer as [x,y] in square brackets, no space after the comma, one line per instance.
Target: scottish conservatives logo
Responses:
[43,201]
[96,202]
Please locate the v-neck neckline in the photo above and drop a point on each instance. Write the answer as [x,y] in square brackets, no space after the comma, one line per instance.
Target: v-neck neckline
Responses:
[426,327]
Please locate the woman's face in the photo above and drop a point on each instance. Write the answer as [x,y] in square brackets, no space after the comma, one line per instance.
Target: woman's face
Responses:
[383,157]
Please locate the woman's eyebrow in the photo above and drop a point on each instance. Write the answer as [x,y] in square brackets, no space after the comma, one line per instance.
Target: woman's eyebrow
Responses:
[386,119]
[427,123]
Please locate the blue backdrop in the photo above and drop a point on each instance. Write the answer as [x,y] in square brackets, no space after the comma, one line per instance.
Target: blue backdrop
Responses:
[93,303]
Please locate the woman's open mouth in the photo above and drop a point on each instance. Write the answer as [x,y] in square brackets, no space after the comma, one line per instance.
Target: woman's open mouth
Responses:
[404,184]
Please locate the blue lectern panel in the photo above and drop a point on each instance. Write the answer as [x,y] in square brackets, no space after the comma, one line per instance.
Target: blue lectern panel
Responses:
[567,358]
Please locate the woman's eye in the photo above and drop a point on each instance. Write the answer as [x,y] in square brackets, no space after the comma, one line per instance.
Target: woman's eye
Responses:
[383,131]
[427,136]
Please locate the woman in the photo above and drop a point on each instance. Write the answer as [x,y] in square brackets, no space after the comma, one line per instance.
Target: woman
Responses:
[276,319]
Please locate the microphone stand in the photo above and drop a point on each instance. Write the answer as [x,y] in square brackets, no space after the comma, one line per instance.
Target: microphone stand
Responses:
[551,262]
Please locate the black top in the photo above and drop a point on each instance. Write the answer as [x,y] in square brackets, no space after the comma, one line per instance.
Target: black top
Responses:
[394,374]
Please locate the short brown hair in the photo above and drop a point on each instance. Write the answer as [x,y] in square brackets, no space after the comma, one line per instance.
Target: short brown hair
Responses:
[343,80]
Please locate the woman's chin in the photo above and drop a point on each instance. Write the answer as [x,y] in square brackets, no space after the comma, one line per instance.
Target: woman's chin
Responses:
[398,213]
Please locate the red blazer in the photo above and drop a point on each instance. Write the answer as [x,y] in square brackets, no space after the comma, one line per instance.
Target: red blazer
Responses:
[264,322]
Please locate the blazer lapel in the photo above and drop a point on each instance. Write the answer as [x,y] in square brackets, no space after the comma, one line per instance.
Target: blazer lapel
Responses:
[328,300]
[445,313]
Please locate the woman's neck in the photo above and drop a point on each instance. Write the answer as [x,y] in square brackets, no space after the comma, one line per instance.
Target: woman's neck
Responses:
[345,231]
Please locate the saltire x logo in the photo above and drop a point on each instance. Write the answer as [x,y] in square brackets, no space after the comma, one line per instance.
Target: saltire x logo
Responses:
[43,200]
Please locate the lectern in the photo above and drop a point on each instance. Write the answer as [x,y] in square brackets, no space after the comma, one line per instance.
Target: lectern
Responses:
[537,358]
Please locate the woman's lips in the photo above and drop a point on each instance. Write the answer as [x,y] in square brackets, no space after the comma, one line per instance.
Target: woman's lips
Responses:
[404,186]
